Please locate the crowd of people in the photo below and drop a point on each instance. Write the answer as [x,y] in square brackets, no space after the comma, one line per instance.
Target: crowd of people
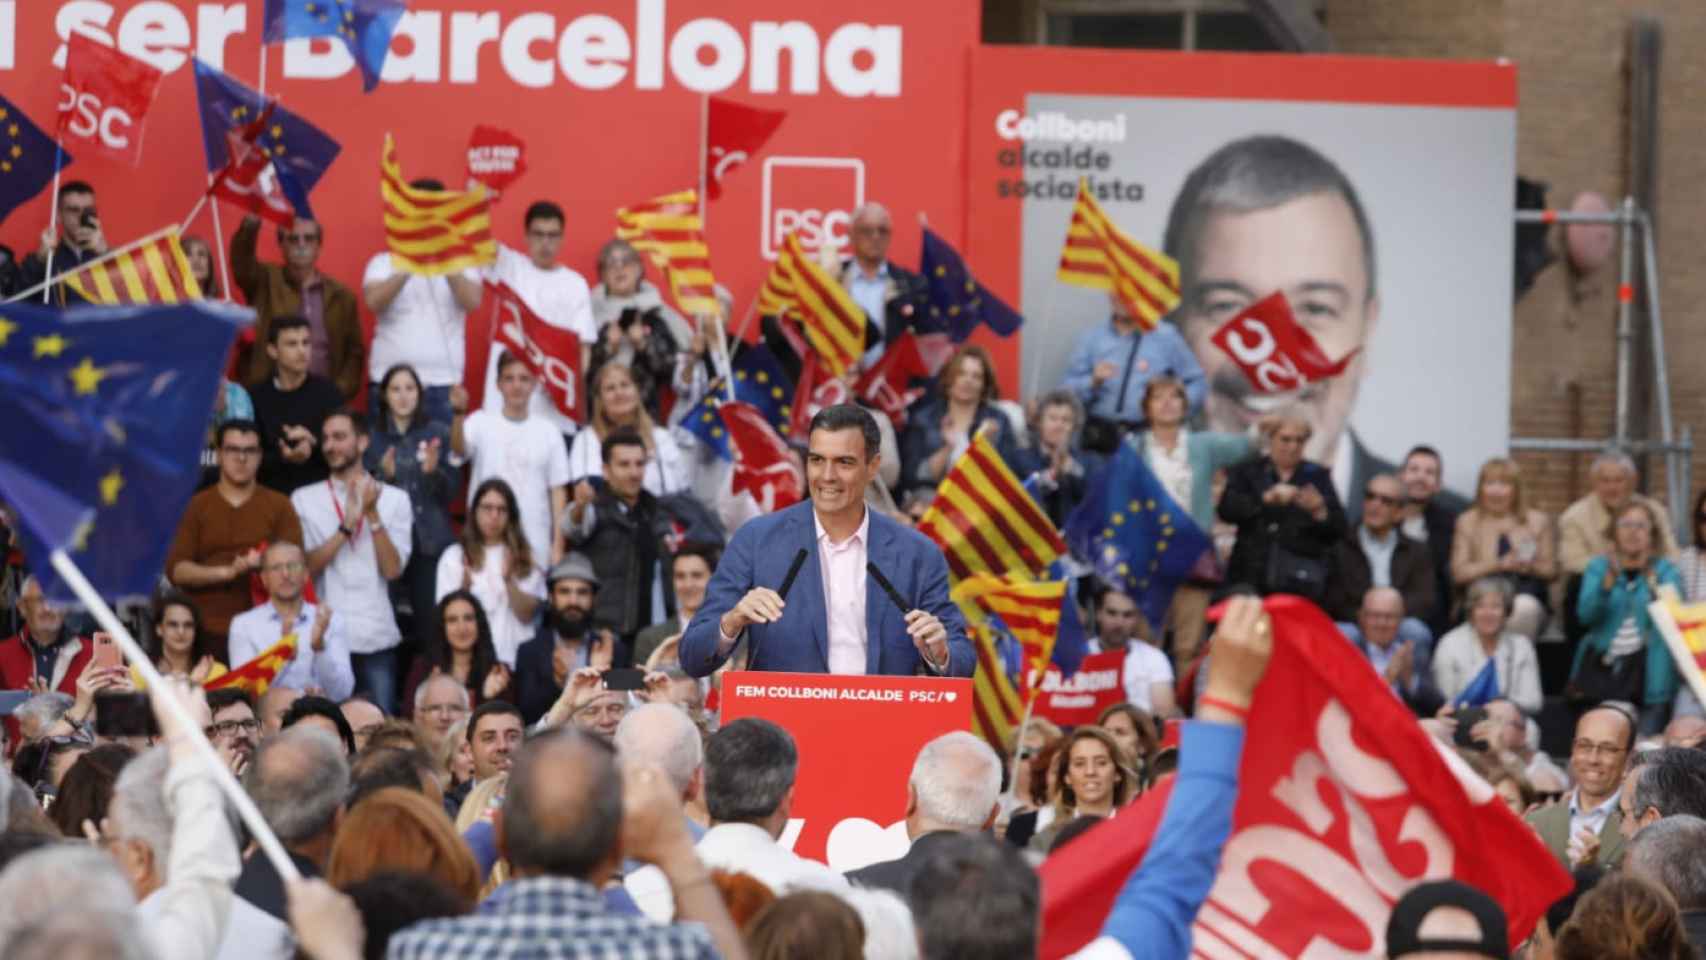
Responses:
[441,746]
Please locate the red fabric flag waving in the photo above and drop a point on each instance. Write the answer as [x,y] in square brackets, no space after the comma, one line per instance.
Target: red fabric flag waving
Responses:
[552,353]
[1344,803]
[887,386]
[733,133]
[1275,352]
[816,390]
[105,97]
[249,180]
[764,466]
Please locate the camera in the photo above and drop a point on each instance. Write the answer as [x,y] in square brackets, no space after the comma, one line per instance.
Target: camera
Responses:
[91,219]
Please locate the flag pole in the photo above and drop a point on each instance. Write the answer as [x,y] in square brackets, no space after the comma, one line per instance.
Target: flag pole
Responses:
[263,83]
[52,218]
[746,321]
[195,211]
[1030,705]
[139,661]
[220,254]
[108,256]
[704,146]
[728,363]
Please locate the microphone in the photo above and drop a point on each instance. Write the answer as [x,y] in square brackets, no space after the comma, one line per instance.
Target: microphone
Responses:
[888,588]
[787,581]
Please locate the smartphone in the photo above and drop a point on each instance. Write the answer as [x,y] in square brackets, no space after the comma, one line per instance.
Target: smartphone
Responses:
[1466,719]
[124,715]
[107,654]
[1504,544]
[624,678]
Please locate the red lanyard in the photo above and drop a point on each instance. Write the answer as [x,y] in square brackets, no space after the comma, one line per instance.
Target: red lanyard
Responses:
[354,531]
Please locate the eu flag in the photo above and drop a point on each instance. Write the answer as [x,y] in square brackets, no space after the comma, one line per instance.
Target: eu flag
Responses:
[364,26]
[759,380]
[26,158]
[1136,537]
[298,150]
[103,415]
[1482,689]
[958,303]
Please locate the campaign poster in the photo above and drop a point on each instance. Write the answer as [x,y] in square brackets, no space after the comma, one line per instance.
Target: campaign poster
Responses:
[1377,194]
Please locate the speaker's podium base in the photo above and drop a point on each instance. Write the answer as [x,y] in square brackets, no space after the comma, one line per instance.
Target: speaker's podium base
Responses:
[857,739]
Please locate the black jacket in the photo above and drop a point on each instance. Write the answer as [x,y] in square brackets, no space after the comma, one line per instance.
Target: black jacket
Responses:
[1440,519]
[1264,527]
[897,875]
[1412,575]
[627,551]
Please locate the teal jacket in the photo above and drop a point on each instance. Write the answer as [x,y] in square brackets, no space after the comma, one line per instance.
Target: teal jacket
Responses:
[1603,611]
[1207,452]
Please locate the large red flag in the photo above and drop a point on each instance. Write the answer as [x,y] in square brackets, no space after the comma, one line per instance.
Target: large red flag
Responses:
[552,353]
[888,385]
[733,133]
[816,390]
[764,466]
[105,97]
[1275,352]
[248,178]
[1344,803]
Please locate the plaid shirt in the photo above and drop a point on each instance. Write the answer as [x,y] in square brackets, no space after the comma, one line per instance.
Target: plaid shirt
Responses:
[549,918]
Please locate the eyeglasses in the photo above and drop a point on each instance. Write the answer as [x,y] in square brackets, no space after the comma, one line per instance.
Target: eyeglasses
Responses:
[241,451]
[1634,525]
[289,566]
[1390,501]
[874,231]
[1602,749]
[443,709]
[228,728]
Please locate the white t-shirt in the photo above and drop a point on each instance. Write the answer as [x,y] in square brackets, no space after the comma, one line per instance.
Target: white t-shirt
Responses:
[667,469]
[351,583]
[529,456]
[423,326]
[561,298]
[508,631]
[1145,665]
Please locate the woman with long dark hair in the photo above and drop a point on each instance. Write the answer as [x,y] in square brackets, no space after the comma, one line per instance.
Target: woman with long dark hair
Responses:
[407,449]
[494,561]
[177,645]
[461,648]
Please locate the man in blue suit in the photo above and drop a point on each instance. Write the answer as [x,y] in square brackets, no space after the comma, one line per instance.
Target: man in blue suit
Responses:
[836,617]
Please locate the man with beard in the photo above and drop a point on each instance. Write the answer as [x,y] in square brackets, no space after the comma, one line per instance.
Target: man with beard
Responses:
[234,729]
[565,641]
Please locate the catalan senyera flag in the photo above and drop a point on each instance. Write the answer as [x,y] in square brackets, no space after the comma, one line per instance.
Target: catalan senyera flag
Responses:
[776,297]
[151,270]
[1101,256]
[257,675]
[833,323]
[434,232]
[996,706]
[1683,626]
[669,230]
[1030,610]
[985,522]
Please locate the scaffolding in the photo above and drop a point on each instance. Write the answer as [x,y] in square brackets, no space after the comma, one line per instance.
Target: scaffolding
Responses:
[1676,448]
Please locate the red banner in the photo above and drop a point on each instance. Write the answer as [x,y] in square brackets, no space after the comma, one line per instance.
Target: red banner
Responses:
[1273,350]
[105,97]
[248,179]
[850,794]
[733,133]
[496,158]
[1344,803]
[1098,685]
[552,353]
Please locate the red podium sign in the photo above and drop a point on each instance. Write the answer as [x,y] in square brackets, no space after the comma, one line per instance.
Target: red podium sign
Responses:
[857,738]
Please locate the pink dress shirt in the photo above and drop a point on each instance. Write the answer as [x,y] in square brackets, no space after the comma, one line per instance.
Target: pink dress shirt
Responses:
[844,578]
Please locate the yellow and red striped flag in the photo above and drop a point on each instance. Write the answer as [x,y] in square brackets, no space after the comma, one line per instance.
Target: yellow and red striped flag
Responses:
[1101,256]
[985,522]
[996,707]
[1030,610]
[1683,625]
[151,270]
[257,675]
[669,229]
[434,232]
[834,324]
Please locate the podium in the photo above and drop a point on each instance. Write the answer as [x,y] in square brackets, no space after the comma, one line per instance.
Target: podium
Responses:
[857,739]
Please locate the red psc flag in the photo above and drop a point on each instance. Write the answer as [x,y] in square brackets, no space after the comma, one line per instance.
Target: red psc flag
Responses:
[105,96]
[1344,804]
[888,385]
[764,466]
[1275,352]
[248,179]
[496,158]
[733,133]
[551,353]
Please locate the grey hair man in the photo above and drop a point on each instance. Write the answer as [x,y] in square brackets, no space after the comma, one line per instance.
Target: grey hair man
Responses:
[1584,528]
[141,831]
[1671,852]
[37,715]
[61,874]
[662,734]
[1662,783]
[954,788]
[298,779]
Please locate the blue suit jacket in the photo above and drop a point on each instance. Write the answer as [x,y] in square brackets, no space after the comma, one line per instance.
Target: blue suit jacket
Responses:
[759,555]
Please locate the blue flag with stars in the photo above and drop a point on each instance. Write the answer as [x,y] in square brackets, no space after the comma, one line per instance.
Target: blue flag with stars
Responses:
[958,303]
[1136,537]
[26,158]
[759,380]
[1481,690]
[364,26]
[103,416]
[299,152]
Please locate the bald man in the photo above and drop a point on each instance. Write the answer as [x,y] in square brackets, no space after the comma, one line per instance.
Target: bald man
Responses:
[954,788]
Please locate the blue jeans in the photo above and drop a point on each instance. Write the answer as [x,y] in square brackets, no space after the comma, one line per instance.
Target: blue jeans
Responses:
[435,403]
[376,676]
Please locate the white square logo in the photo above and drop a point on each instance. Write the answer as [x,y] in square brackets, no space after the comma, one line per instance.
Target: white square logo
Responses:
[812,196]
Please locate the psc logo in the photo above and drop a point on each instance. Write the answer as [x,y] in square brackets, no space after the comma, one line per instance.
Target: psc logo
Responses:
[90,119]
[812,196]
